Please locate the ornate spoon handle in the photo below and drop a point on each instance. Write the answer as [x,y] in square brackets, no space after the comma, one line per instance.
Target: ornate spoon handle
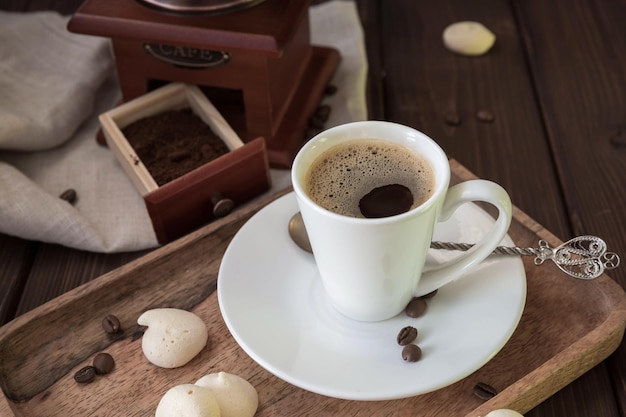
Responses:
[583,257]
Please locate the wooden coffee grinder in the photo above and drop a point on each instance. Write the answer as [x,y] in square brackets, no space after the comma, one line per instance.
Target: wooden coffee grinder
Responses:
[252,58]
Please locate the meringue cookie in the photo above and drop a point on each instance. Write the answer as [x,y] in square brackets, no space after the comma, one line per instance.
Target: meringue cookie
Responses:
[235,396]
[468,38]
[173,336]
[504,413]
[188,400]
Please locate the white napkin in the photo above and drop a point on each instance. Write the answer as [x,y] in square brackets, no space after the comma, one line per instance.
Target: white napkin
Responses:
[54,84]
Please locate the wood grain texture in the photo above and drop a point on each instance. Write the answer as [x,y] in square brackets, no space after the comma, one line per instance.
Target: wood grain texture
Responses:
[581,94]
[15,258]
[424,81]
[553,344]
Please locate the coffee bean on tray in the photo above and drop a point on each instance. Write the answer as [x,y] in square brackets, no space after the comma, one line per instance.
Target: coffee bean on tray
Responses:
[411,353]
[103,363]
[85,375]
[111,324]
[407,335]
[416,307]
[484,391]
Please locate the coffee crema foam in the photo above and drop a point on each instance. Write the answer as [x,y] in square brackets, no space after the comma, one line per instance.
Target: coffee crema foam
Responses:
[341,176]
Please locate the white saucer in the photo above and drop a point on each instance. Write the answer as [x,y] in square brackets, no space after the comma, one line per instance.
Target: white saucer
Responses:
[274,306]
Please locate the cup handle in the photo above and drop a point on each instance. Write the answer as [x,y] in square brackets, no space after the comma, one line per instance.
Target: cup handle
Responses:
[468,191]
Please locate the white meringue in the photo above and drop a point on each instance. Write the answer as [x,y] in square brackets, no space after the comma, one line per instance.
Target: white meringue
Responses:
[173,336]
[504,413]
[188,400]
[236,396]
[468,38]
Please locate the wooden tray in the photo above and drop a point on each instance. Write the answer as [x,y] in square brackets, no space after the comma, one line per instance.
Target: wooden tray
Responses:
[568,326]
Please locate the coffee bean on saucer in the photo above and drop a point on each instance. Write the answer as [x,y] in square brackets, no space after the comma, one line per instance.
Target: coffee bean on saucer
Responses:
[85,375]
[407,335]
[111,324]
[411,353]
[416,307]
[103,363]
[484,391]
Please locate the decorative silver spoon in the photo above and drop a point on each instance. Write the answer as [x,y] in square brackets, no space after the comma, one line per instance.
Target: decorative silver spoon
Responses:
[583,257]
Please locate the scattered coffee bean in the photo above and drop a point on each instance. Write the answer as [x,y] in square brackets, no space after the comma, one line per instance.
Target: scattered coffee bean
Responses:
[452,119]
[103,363]
[178,155]
[485,116]
[330,90]
[111,324]
[484,391]
[411,353]
[69,195]
[85,375]
[416,307]
[407,335]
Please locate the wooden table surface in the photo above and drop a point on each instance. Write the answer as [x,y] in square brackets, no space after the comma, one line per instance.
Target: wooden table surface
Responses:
[556,85]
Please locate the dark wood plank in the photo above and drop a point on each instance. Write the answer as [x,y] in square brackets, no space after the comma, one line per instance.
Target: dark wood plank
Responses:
[581,94]
[15,259]
[369,14]
[57,269]
[424,81]
[577,55]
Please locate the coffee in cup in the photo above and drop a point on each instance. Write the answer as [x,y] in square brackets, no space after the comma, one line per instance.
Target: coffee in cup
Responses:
[369,178]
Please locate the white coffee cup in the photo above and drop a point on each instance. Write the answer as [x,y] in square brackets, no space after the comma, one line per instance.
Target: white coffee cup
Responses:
[371,268]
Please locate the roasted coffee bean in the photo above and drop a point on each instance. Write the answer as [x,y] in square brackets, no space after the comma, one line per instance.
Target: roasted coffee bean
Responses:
[85,375]
[416,307]
[103,363]
[485,116]
[452,119]
[179,155]
[484,391]
[69,195]
[407,335]
[330,90]
[111,324]
[411,353]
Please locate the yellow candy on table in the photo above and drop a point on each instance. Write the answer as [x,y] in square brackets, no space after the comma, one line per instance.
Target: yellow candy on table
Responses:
[468,38]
